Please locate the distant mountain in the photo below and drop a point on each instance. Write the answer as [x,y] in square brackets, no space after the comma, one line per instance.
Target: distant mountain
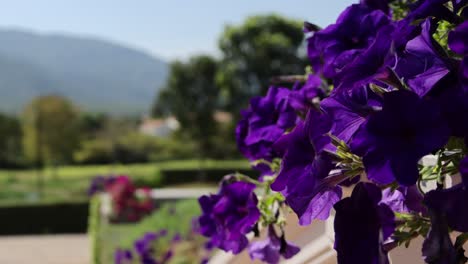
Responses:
[96,75]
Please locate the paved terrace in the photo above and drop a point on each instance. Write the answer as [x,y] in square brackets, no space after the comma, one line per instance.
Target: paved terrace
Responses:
[45,249]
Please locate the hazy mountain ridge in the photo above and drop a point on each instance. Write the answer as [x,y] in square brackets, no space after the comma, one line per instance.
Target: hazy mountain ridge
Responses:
[97,75]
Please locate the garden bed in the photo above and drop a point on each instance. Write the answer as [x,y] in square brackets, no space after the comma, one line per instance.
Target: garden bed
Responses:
[173,216]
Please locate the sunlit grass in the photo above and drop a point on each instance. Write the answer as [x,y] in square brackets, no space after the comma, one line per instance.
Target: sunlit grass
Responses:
[69,183]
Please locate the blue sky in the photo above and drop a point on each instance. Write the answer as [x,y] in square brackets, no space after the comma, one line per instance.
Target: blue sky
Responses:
[168,29]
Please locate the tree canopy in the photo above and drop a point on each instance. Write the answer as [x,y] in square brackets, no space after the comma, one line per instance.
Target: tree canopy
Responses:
[262,47]
[191,95]
[51,130]
[10,141]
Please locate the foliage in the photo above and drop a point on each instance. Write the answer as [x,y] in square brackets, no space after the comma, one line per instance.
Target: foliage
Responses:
[51,130]
[173,149]
[91,124]
[125,148]
[190,94]
[133,148]
[262,47]
[10,142]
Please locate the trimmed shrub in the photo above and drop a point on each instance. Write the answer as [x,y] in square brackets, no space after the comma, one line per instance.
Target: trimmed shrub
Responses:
[58,218]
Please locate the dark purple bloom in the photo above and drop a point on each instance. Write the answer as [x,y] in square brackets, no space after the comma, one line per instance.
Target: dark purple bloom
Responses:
[271,249]
[348,110]
[263,123]
[301,98]
[464,170]
[421,65]
[452,202]
[229,215]
[413,199]
[372,64]
[394,139]
[458,39]
[362,223]
[303,168]
[464,74]
[437,247]
[458,42]
[123,256]
[145,249]
[338,44]
[452,94]
[431,8]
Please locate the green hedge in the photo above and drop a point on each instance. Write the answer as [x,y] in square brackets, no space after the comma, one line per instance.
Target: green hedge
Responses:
[44,219]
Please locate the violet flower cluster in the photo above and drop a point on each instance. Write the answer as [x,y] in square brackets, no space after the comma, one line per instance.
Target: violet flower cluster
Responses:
[145,250]
[385,91]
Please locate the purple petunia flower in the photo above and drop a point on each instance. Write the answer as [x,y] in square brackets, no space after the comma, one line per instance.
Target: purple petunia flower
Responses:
[361,224]
[437,247]
[372,64]
[145,248]
[395,200]
[421,63]
[123,256]
[394,139]
[452,202]
[263,123]
[304,166]
[349,109]
[404,199]
[339,44]
[458,42]
[229,215]
[271,249]
[432,8]
[452,97]
[301,98]
[458,39]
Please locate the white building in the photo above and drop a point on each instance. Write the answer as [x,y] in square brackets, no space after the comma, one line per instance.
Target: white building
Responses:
[159,127]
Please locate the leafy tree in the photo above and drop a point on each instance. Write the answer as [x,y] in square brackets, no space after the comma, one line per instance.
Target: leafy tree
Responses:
[51,130]
[190,94]
[10,141]
[92,123]
[261,48]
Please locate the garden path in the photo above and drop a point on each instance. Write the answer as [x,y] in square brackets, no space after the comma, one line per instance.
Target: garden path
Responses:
[45,249]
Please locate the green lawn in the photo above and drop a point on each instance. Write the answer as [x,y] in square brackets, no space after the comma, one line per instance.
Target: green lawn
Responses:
[69,183]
